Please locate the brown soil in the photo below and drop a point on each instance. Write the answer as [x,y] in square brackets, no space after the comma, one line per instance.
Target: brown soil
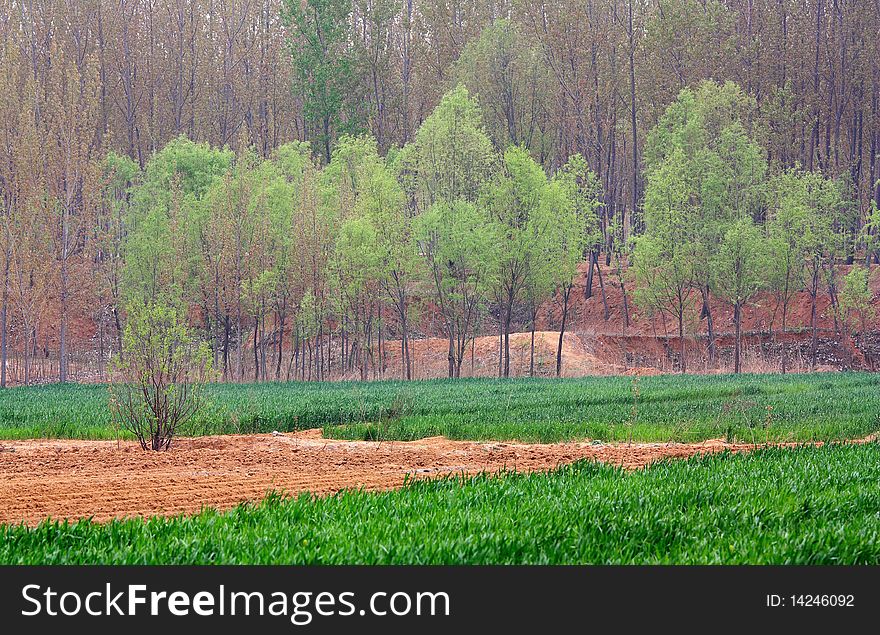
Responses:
[104,480]
[596,341]
[430,357]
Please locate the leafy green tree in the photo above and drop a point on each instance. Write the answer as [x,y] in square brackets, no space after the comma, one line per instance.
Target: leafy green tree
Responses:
[739,271]
[383,202]
[542,267]
[158,378]
[513,201]
[355,191]
[870,235]
[855,302]
[663,262]
[786,223]
[320,46]
[451,156]
[158,241]
[802,219]
[459,243]
[570,203]
[287,197]
[723,167]
[355,270]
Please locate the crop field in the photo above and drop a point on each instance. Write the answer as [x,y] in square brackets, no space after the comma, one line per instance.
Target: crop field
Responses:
[664,469]
[789,506]
[682,408]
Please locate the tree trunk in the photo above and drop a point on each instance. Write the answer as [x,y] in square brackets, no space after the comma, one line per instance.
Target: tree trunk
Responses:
[710,324]
[256,355]
[379,341]
[281,319]
[737,352]
[507,319]
[601,286]
[532,353]
[681,343]
[566,292]
[625,302]
[450,357]
[239,358]
[500,346]
[588,288]
[632,111]
[814,290]
[62,355]
[404,337]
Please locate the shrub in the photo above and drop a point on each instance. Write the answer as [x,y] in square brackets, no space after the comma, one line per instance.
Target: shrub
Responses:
[157,379]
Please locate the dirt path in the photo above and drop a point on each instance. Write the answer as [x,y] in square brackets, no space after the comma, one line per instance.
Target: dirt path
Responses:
[76,479]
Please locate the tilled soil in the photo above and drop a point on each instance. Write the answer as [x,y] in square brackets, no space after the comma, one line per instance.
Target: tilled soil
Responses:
[104,480]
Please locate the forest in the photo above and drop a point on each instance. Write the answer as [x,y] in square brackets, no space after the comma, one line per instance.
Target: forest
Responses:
[306,183]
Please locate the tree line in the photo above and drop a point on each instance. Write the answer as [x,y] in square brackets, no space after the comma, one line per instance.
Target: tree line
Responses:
[302,266]
[238,156]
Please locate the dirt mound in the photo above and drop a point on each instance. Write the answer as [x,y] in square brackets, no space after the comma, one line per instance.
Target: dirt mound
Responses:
[104,480]
[430,357]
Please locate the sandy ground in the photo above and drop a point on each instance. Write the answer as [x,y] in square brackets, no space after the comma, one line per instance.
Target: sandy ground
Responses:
[103,480]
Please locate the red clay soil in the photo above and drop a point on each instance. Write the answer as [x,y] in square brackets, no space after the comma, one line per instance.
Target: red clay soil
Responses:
[102,480]
[587,315]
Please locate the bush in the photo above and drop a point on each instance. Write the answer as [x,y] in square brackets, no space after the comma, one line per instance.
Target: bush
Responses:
[157,379]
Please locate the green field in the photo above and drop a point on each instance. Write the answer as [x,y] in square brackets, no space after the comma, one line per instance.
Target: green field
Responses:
[669,407]
[793,506]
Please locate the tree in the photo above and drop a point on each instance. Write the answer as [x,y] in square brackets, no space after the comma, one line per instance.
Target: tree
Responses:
[870,235]
[855,303]
[384,202]
[570,200]
[352,187]
[511,82]
[451,156]
[324,65]
[120,175]
[355,269]
[174,180]
[459,244]
[663,263]
[802,220]
[785,226]
[739,270]
[722,166]
[513,201]
[158,379]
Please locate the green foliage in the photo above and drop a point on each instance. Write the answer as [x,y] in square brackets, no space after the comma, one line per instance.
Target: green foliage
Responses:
[157,251]
[703,165]
[803,208]
[672,407]
[119,171]
[157,376]
[571,203]
[459,245]
[739,269]
[522,225]
[809,506]
[856,299]
[451,156]
[324,67]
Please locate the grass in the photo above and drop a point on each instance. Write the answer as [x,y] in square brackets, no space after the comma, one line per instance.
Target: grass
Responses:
[819,406]
[786,506]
